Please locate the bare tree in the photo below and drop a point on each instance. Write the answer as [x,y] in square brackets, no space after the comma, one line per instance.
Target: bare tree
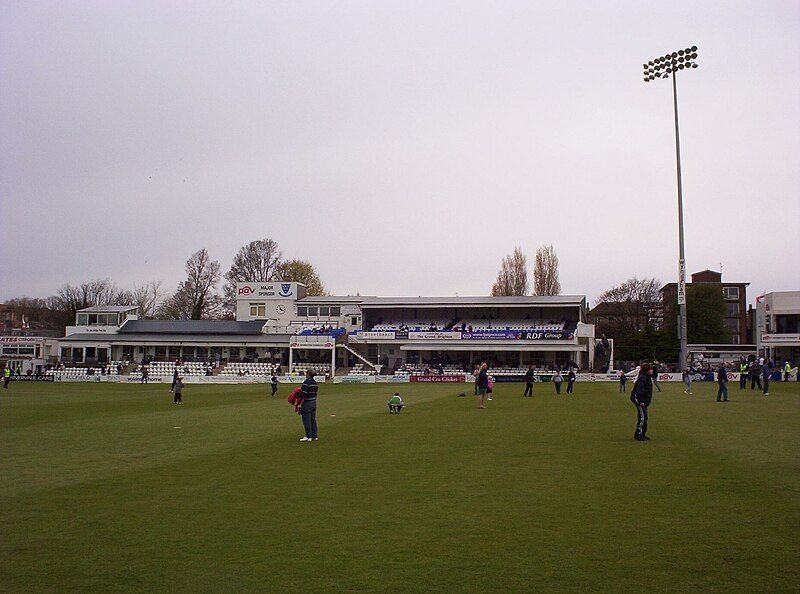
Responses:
[545,272]
[645,291]
[147,298]
[512,279]
[300,271]
[195,298]
[258,261]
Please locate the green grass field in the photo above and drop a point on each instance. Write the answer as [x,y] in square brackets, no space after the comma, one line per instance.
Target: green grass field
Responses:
[111,487]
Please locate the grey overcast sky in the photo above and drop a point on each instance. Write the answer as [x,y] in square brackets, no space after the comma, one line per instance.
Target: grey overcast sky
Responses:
[402,147]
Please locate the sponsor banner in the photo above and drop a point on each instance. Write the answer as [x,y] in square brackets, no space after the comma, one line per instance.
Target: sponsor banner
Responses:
[20,339]
[354,379]
[391,379]
[434,335]
[32,378]
[781,338]
[152,379]
[546,335]
[492,335]
[401,334]
[62,377]
[377,335]
[266,291]
[296,378]
[438,379]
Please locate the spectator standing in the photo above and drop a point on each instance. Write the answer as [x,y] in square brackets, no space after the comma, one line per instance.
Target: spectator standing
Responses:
[557,379]
[642,396]
[177,387]
[6,376]
[482,384]
[722,380]
[145,374]
[687,381]
[529,382]
[623,381]
[308,410]
[766,370]
[787,369]
[174,377]
[274,382]
[755,375]
[743,370]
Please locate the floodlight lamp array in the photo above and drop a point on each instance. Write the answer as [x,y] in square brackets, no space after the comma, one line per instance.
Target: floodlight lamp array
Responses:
[663,66]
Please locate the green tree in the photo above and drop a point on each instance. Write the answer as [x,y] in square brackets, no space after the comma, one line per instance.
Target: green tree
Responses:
[300,271]
[705,317]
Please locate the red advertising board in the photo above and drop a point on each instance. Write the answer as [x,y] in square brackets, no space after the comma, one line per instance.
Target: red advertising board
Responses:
[438,379]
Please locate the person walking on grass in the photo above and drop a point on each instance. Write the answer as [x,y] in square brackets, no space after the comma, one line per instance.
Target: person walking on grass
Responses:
[308,410]
[174,377]
[482,384]
[6,376]
[475,373]
[623,381]
[641,396]
[274,382]
[557,379]
[571,381]
[177,388]
[722,380]
[655,376]
[145,374]
[528,382]
[787,370]
[687,381]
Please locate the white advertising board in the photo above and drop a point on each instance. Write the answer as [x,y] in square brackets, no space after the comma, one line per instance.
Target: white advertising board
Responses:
[266,291]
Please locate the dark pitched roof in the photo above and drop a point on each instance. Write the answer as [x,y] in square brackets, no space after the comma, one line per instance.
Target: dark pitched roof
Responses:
[214,327]
[617,308]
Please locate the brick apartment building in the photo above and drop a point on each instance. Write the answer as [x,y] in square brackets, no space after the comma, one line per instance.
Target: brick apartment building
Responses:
[734,294]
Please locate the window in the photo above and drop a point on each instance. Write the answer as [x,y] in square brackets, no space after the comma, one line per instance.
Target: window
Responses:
[735,338]
[65,352]
[90,353]
[354,321]
[336,311]
[312,311]
[302,311]
[258,310]
[730,292]
[324,311]
[83,319]
[732,324]
[161,351]
[732,309]
[26,350]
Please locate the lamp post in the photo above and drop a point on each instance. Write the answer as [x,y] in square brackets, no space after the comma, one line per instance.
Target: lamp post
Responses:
[662,67]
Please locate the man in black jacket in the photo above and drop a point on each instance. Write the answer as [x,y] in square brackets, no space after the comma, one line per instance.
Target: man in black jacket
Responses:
[641,396]
[308,410]
[529,382]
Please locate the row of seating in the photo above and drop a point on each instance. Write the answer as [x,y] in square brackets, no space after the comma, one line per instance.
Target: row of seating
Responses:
[239,368]
[359,370]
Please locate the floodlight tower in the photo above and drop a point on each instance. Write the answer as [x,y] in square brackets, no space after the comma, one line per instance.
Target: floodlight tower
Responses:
[662,67]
